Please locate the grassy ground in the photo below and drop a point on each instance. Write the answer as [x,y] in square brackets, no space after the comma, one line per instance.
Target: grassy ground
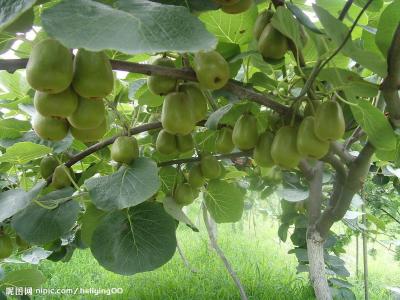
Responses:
[262,263]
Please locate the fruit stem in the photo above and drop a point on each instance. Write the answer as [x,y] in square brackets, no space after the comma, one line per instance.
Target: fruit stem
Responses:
[344,100]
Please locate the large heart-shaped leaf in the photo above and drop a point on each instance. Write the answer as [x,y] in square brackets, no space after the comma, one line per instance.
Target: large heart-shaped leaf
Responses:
[24,152]
[199,5]
[224,201]
[338,31]
[138,239]
[24,278]
[129,186]
[13,201]
[134,26]
[236,28]
[10,10]
[388,22]
[375,124]
[39,225]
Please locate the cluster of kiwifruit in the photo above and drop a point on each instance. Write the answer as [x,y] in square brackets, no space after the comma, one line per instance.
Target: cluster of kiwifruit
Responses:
[69,91]
[271,43]
[310,139]
[234,6]
[185,103]
[207,169]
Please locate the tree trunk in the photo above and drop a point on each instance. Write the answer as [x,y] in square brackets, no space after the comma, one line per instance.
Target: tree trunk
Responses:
[315,250]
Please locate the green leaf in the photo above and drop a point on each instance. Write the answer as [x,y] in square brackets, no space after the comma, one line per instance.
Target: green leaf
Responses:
[129,186]
[380,224]
[89,222]
[168,176]
[13,201]
[349,81]
[13,128]
[6,41]
[338,31]
[215,117]
[284,21]
[31,136]
[135,26]
[302,17]
[24,152]
[388,22]
[175,211]
[231,28]
[375,5]
[38,225]
[292,194]
[15,85]
[24,278]
[375,124]
[224,201]
[138,239]
[10,10]
[151,100]
[283,231]
[195,5]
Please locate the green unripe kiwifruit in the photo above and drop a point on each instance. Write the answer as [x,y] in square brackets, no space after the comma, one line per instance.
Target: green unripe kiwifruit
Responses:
[56,105]
[284,148]
[308,144]
[49,67]
[195,177]
[210,167]
[184,143]
[196,98]
[224,143]
[212,70]
[272,44]
[262,151]
[88,115]
[90,135]
[125,149]
[60,178]
[262,20]
[245,132]
[226,2]
[6,246]
[93,76]
[50,128]
[237,8]
[162,85]
[184,194]
[329,121]
[177,116]
[166,143]
[47,166]
[23,23]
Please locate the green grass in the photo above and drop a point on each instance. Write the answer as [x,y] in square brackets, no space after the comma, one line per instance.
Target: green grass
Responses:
[260,260]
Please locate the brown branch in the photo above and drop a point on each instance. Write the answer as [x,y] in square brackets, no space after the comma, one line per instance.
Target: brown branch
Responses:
[233,86]
[98,146]
[358,171]
[221,254]
[315,197]
[194,159]
[340,178]
[339,150]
